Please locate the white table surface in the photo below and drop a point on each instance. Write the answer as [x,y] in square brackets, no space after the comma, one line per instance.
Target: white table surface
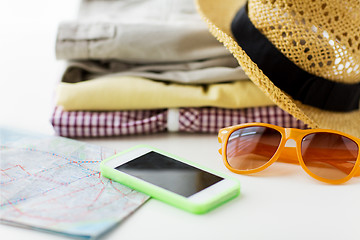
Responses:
[279,203]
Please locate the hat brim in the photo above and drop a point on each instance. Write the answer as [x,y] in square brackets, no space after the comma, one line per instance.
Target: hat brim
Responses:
[218,15]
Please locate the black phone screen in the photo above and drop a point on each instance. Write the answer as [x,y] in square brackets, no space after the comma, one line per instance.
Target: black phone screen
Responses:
[169,173]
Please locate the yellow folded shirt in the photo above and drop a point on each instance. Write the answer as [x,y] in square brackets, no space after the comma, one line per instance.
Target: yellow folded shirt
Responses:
[127,93]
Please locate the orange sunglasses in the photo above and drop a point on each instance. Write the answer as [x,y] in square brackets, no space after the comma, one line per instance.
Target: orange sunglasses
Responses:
[326,155]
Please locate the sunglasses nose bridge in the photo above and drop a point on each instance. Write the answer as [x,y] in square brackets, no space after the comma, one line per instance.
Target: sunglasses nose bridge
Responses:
[292,133]
[289,152]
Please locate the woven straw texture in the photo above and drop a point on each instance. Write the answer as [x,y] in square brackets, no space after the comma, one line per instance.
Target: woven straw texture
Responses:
[319,36]
[218,14]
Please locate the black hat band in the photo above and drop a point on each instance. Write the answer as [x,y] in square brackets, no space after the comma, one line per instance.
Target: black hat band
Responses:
[299,84]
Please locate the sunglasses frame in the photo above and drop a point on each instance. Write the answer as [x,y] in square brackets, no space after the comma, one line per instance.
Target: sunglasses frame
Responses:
[286,133]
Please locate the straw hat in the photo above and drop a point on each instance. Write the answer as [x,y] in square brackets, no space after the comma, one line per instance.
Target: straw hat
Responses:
[303,54]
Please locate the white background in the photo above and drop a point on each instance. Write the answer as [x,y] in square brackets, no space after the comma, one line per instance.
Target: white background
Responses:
[279,203]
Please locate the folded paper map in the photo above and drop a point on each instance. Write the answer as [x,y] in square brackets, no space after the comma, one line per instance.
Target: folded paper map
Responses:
[53,184]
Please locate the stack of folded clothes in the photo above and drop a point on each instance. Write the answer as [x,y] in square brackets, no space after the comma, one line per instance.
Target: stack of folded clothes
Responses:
[136,67]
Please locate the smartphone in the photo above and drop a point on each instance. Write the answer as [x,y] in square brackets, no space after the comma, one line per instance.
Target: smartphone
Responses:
[170,179]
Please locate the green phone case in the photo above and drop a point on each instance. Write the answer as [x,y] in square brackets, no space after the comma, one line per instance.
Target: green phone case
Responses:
[165,195]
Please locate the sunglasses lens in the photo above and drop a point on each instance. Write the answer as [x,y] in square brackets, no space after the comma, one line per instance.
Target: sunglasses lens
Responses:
[329,155]
[251,147]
